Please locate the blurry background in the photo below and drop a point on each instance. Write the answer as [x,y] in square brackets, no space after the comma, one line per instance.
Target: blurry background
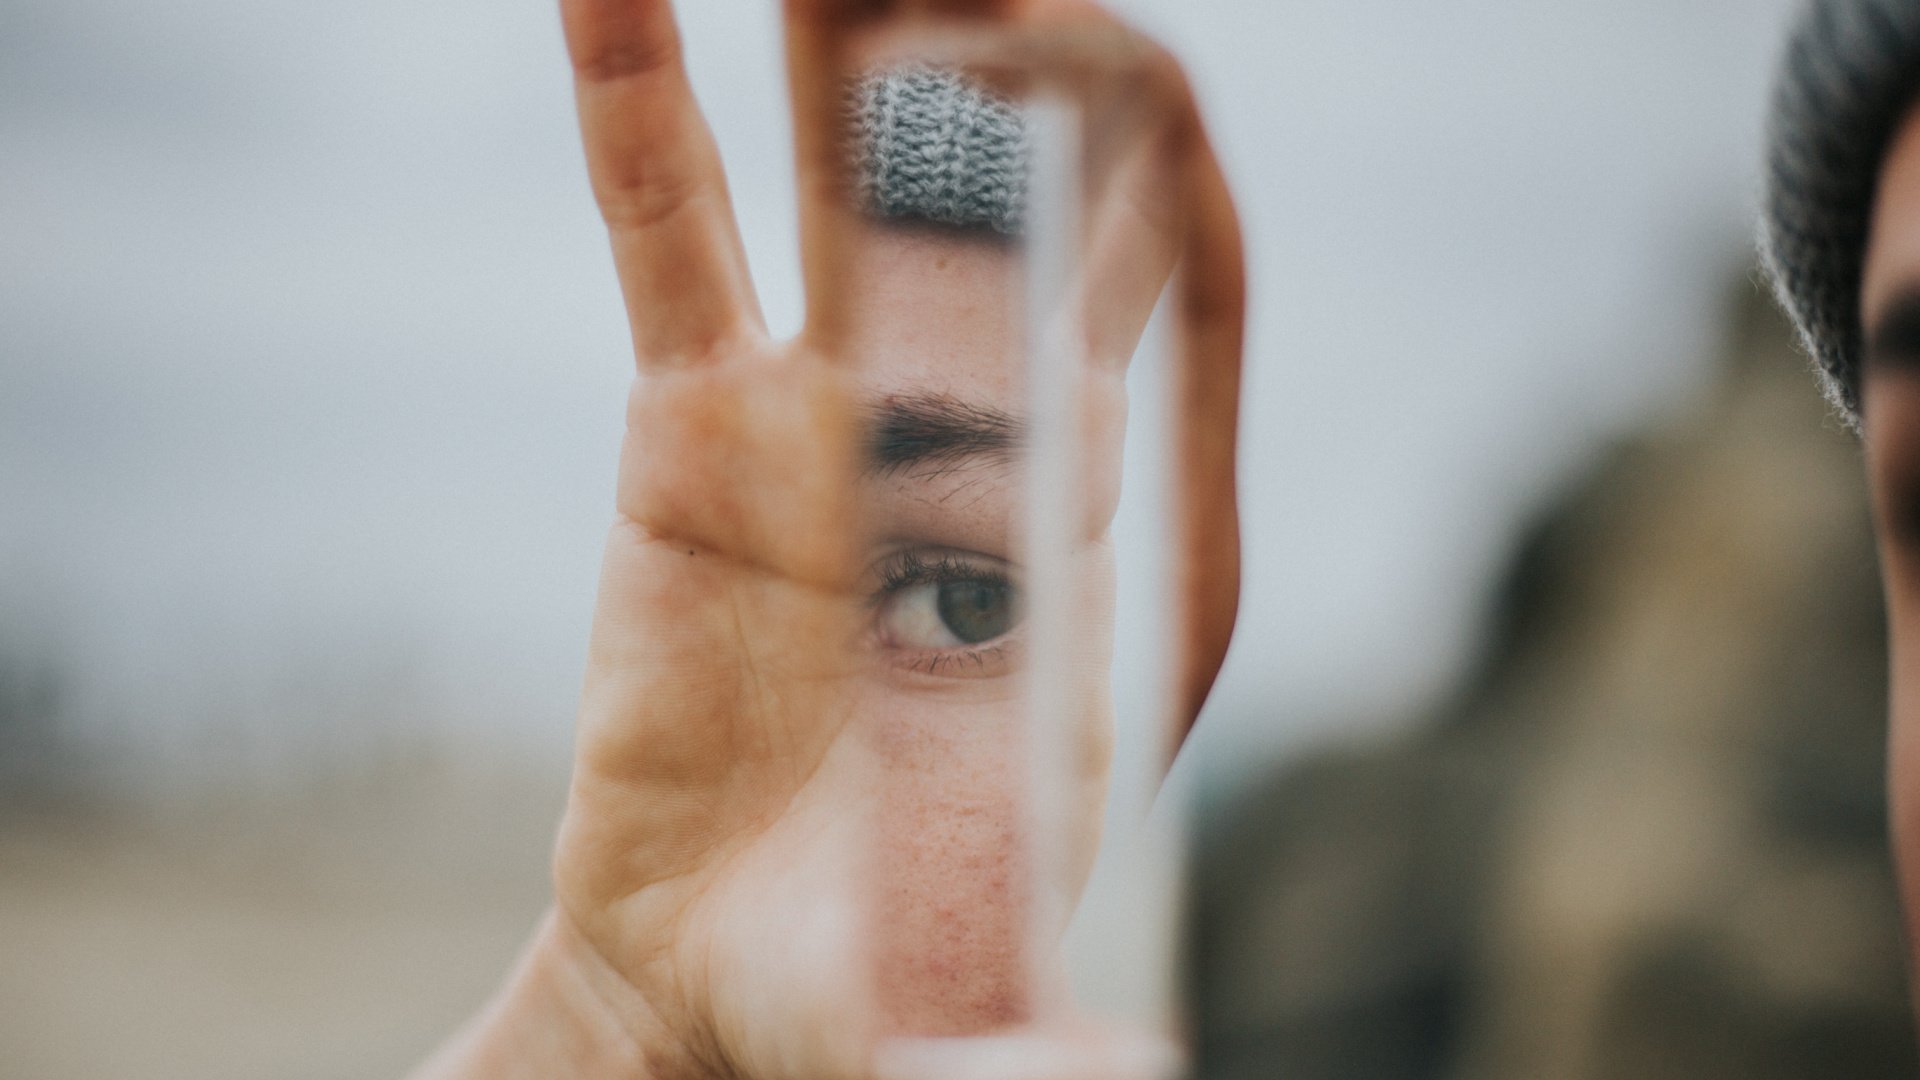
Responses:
[311,376]
[1642,836]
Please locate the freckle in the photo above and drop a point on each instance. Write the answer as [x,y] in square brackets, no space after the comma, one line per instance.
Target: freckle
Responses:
[689,552]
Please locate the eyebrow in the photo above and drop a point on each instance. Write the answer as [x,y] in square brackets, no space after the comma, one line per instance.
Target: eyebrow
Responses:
[938,430]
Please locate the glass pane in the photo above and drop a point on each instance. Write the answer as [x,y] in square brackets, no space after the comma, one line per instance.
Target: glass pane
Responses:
[1004,234]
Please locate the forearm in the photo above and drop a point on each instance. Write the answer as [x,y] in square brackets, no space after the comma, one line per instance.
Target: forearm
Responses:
[551,1019]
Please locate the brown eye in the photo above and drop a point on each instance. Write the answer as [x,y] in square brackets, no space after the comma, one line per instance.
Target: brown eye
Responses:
[976,611]
[951,603]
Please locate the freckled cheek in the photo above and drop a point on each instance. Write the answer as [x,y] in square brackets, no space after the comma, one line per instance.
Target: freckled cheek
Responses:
[950,896]
[952,889]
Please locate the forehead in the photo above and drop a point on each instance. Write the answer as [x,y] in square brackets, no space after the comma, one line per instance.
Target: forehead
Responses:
[934,311]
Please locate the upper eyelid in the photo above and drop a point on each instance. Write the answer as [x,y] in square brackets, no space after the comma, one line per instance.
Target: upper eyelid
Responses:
[892,585]
[946,568]
[936,564]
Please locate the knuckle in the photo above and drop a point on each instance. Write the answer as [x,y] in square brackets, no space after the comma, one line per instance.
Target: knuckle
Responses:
[644,198]
[627,58]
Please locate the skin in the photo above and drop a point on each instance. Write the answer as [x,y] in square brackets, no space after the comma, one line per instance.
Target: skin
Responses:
[945,726]
[1890,397]
[794,842]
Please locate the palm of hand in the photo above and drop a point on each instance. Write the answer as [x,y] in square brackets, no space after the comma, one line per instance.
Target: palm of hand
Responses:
[714,768]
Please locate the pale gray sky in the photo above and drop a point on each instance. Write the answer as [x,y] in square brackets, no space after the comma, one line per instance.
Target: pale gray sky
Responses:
[312,365]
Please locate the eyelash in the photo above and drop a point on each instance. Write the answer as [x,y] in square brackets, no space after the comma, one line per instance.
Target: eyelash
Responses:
[908,570]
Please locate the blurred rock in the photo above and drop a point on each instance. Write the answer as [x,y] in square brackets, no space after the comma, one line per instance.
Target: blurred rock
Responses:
[1645,839]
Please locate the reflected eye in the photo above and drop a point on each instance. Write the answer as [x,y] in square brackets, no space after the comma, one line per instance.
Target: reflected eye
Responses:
[945,606]
[975,611]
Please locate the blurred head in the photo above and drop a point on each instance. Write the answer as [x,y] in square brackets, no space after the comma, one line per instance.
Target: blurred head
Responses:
[1842,243]
[1890,425]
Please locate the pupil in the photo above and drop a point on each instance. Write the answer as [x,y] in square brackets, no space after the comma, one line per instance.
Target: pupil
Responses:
[976,611]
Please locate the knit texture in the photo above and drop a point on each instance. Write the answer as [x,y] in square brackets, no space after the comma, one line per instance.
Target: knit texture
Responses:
[1847,79]
[935,147]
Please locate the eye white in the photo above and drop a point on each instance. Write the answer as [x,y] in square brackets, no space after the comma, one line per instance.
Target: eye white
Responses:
[910,619]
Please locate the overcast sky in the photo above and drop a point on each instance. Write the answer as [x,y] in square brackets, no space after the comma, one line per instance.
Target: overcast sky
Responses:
[312,364]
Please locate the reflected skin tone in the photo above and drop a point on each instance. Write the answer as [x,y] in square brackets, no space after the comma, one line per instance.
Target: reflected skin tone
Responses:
[935,349]
[793,830]
[1890,423]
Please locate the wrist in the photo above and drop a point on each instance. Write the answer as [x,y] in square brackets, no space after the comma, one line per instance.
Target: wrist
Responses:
[561,1013]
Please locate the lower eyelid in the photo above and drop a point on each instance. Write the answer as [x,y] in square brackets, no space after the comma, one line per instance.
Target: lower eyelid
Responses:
[960,662]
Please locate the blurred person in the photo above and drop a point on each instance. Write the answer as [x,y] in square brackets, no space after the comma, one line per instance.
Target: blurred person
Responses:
[1642,838]
[757,660]
[1841,239]
[1642,835]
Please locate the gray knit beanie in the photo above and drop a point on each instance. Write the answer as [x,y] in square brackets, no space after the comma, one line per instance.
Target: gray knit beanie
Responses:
[935,147]
[1849,75]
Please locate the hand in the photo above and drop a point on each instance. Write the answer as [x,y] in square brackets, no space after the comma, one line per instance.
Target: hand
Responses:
[791,770]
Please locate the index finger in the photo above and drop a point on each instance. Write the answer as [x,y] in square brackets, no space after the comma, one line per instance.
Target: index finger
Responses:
[657,176]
